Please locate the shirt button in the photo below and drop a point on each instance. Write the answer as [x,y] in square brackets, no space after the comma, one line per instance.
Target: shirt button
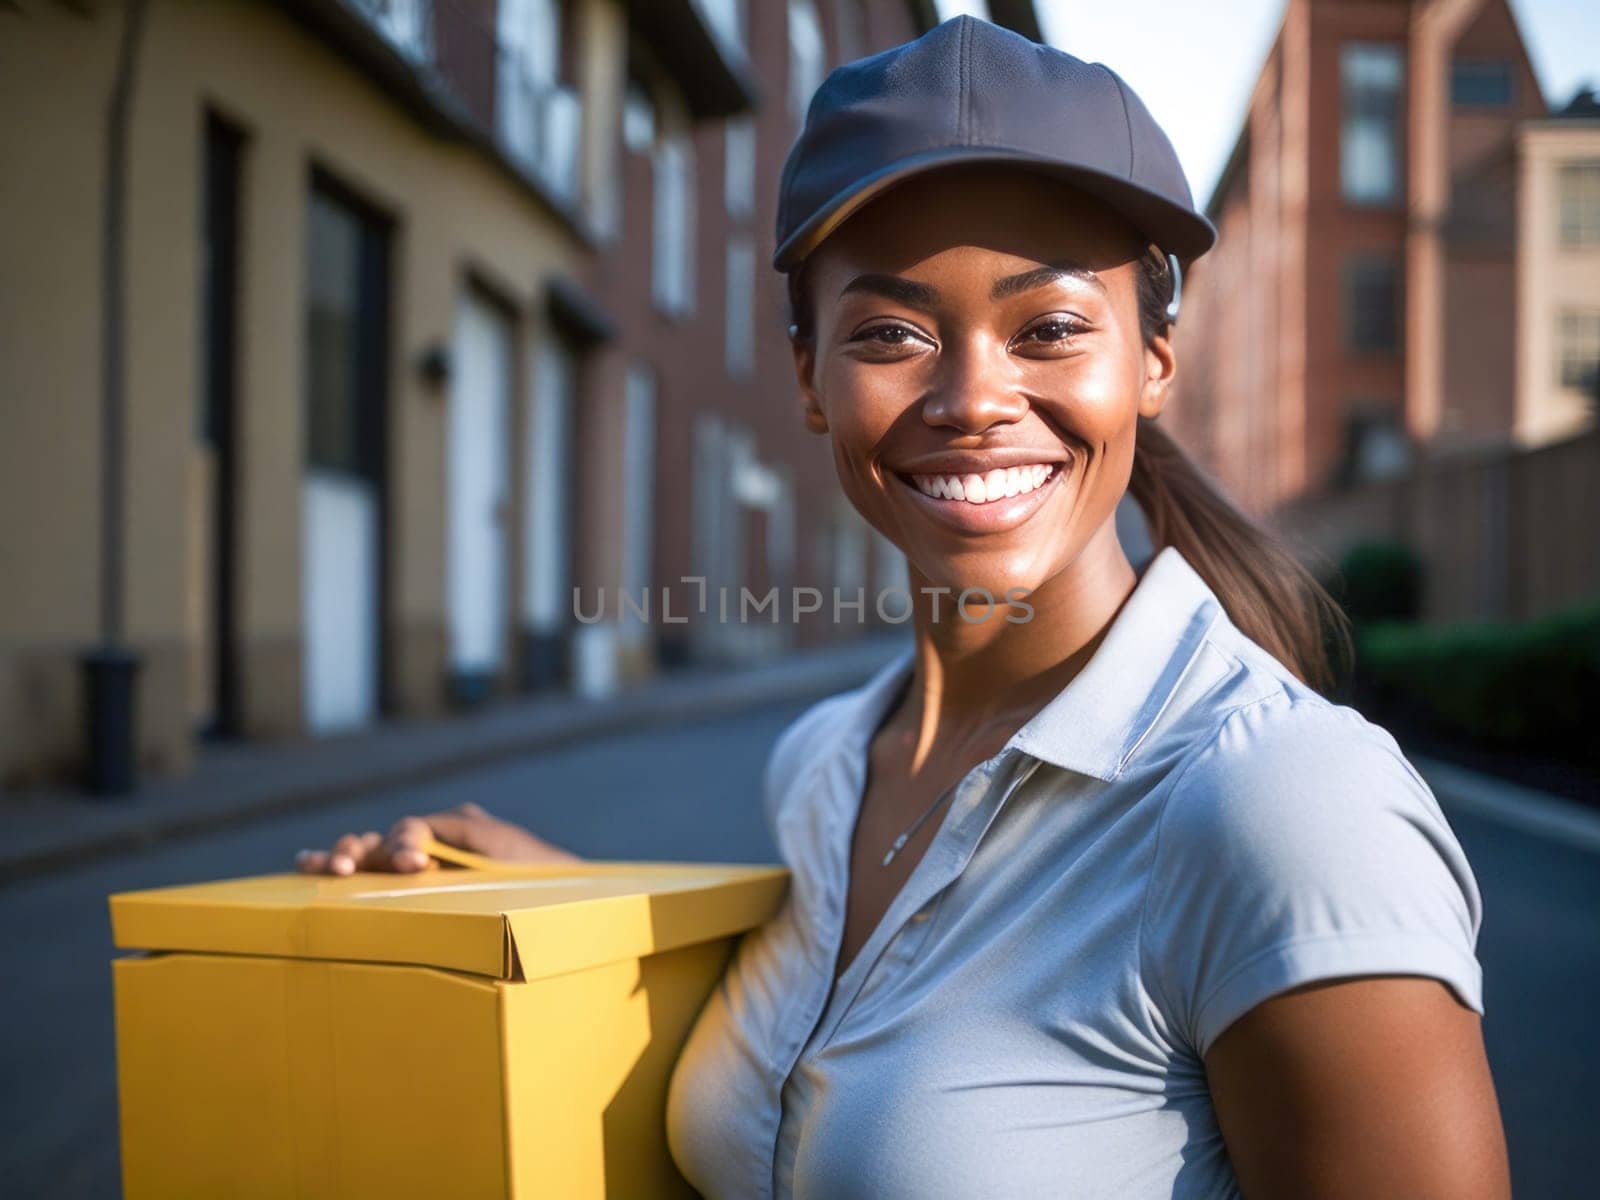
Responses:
[920,915]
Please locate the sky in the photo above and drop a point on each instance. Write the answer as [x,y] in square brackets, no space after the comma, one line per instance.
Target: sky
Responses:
[1193,63]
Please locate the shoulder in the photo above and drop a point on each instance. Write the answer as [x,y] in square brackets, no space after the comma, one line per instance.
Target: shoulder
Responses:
[1293,760]
[1298,843]
[1299,792]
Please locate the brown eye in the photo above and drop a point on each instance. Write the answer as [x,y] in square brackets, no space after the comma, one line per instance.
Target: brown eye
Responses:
[887,335]
[1053,332]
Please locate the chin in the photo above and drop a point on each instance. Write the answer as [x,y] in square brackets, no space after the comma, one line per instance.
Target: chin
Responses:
[983,570]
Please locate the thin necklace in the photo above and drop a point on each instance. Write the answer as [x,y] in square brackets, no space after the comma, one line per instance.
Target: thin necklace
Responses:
[900,841]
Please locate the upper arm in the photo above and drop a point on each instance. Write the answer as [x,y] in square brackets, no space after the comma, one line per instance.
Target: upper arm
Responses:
[1359,1087]
[1309,934]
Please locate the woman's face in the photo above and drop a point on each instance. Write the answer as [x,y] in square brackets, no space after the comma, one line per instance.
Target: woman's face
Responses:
[979,368]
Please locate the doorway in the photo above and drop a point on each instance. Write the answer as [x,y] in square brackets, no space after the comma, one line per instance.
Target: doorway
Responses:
[479,480]
[347,320]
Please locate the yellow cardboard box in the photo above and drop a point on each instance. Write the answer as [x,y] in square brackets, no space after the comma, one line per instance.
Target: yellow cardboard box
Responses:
[502,1032]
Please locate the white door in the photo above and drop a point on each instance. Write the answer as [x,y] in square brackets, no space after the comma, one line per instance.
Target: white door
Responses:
[547,586]
[480,406]
[340,600]
[341,506]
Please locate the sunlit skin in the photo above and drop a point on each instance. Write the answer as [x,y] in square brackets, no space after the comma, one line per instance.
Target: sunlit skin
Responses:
[1348,1088]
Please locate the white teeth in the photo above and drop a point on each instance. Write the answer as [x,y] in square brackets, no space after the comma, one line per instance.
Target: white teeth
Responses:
[998,484]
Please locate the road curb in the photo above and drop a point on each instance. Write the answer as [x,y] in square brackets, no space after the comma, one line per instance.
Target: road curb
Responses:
[1511,804]
[392,757]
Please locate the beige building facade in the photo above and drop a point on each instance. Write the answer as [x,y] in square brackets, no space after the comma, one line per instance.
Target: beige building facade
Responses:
[362,242]
[406,339]
[1558,275]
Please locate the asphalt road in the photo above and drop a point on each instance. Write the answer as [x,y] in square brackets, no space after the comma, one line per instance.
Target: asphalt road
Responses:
[689,794]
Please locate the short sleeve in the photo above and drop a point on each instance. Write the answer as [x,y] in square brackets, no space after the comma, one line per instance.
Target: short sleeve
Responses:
[1301,845]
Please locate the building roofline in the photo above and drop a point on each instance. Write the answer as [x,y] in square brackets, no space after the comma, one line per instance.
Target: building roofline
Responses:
[424,93]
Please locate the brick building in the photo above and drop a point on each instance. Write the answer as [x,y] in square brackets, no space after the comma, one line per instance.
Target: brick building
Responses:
[1381,279]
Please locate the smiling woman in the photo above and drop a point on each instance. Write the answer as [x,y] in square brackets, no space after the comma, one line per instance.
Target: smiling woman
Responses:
[1186,927]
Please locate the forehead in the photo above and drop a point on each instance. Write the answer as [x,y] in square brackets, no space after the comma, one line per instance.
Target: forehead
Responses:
[975,215]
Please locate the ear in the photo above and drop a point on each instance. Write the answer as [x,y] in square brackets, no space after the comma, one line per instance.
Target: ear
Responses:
[805,365]
[1160,367]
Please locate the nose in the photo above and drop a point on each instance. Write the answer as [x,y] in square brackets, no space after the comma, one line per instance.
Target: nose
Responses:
[974,390]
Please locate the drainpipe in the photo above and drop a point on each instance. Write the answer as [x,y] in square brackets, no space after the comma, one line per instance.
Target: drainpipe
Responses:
[111,667]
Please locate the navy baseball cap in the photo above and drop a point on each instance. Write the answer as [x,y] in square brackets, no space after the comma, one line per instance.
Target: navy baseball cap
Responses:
[969,91]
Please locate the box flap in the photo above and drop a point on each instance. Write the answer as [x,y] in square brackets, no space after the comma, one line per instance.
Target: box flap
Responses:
[509,924]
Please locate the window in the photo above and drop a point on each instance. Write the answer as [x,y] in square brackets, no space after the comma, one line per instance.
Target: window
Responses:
[638,119]
[740,311]
[1578,186]
[407,24]
[537,110]
[1376,445]
[1479,83]
[335,433]
[639,486]
[739,166]
[673,225]
[728,19]
[1369,136]
[850,22]
[1371,304]
[1578,341]
[808,57]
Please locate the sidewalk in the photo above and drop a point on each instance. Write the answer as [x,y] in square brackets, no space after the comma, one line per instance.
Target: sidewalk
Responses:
[48,829]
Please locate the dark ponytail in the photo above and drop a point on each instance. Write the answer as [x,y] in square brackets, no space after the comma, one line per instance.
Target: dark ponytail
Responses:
[1275,601]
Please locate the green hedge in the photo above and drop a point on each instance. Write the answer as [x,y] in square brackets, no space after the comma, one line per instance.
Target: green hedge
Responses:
[1534,685]
[1379,581]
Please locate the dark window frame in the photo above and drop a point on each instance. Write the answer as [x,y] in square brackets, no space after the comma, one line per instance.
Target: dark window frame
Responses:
[1364,329]
[1469,73]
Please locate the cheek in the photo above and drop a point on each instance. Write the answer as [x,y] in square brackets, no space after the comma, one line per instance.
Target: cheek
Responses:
[1094,403]
[861,414]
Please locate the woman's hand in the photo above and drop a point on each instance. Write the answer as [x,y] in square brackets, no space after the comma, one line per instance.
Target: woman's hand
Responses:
[466,826]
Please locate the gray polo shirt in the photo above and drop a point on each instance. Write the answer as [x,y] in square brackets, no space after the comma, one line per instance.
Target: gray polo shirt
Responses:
[1184,831]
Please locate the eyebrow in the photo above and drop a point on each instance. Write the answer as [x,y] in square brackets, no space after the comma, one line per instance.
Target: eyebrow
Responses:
[920,295]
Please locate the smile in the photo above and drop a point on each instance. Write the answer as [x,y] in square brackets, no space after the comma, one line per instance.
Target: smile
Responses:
[998,484]
[984,502]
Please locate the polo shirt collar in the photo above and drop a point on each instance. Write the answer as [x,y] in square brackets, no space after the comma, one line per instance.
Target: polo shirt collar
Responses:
[1095,724]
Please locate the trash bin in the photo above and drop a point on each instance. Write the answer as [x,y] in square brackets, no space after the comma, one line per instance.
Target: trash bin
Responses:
[501,1032]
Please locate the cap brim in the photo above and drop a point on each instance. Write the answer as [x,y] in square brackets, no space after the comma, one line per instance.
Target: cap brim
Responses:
[1172,227]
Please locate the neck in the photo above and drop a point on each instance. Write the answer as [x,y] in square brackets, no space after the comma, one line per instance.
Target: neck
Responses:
[979,681]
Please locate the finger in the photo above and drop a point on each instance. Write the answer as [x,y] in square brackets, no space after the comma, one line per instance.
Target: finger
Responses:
[311,862]
[404,848]
[351,852]
[407,860]
[409,831]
